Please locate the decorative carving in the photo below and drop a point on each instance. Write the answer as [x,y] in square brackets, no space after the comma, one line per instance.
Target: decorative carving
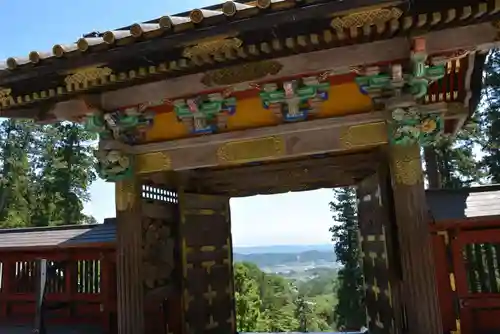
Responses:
[127,126]
[5,96]
[400,93]
[83,76]
[153,162]
[251,150]
[409,125]
[362,135]
[205,114]
[158,253]
[407,165]
[240,73]
[211,48]
[125,194]
[368,17]
[296,100]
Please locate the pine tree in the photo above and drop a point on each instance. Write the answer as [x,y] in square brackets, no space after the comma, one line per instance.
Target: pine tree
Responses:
[489,115]
[451,162]
[350,311]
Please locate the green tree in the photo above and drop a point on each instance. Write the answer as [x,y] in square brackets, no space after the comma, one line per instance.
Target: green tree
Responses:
[489,117]
[349,311]
[451,162]
[64,166]
[248,300]
[15,179]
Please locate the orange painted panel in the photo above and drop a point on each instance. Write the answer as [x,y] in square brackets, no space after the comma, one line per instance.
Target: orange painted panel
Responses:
[344,99]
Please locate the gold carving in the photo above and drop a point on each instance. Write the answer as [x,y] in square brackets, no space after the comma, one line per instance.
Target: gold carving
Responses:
[124,194]
[87,74]
[406,164]
[5,95]
[368,17]
[153,162]
[251,150]
[211,48]
[362,135]
[241,73]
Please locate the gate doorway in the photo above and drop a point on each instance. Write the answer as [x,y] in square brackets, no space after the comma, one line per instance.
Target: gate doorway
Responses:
[476,259]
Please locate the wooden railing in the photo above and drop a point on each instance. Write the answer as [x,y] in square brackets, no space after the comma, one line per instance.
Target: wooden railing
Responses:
[79,284]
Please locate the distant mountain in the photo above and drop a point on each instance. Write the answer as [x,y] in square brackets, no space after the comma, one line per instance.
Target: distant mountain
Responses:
[282,249]
[300,260]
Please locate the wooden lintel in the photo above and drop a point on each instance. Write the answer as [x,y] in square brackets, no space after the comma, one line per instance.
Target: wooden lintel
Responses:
[337,60]
[339,134]
[267,144]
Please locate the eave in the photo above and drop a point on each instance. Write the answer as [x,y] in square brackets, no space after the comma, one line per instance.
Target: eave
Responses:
[40,85]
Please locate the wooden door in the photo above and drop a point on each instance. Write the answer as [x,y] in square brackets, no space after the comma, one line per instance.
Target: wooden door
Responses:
[206,252]
[378,243]
[476,259]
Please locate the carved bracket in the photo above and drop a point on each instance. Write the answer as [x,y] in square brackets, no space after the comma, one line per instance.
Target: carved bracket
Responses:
[205,114]
[401,88]
[296,100]
[394,80]
[126,126]
[410,123]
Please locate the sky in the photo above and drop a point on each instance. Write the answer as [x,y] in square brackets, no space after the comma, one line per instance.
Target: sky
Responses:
[28,25]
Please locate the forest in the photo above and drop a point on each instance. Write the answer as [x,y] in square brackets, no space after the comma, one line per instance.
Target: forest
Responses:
[46,171]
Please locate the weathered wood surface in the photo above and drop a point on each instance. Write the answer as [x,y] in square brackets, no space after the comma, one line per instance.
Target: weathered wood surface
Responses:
[419,288]
[205,234]
[130,303]
[380,258]
[323,171]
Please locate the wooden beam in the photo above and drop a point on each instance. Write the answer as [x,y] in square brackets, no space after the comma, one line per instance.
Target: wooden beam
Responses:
[143,49]
[415,248]
[265,144]
[284,176]
[338,60]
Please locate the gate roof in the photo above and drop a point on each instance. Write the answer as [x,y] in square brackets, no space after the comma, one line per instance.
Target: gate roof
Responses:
[461,204]
[58,236]
[171,46]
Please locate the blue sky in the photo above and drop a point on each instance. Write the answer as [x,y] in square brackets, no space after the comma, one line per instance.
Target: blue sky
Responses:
[298,218]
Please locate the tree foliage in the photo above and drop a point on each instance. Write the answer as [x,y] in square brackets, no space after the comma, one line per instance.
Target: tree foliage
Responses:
[350,311]
[271,303]
[45,173]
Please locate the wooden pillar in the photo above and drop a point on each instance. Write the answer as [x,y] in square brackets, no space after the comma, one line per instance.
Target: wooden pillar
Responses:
[130,303]
[417,261]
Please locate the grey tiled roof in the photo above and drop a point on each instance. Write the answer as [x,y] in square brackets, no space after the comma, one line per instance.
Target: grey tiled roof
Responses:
[447,204]
[60,236]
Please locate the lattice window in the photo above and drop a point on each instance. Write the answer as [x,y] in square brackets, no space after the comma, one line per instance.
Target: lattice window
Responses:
[482,262]
[89,276]
[154,193]
[56,277]
[25,275]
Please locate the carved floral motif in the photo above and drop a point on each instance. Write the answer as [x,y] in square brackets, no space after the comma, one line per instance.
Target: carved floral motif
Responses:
[408,125]
[127,126]
[296,99]
[205,114]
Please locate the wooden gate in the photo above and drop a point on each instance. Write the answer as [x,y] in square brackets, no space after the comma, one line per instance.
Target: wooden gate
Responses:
[206,251]
[378,243]
[476,260]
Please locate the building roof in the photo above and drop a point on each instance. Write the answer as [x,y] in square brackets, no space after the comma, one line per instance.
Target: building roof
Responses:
[458,204]
[250,31]
[58,236]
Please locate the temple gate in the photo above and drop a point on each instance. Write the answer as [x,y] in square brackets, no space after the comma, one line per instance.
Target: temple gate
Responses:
[258,97]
